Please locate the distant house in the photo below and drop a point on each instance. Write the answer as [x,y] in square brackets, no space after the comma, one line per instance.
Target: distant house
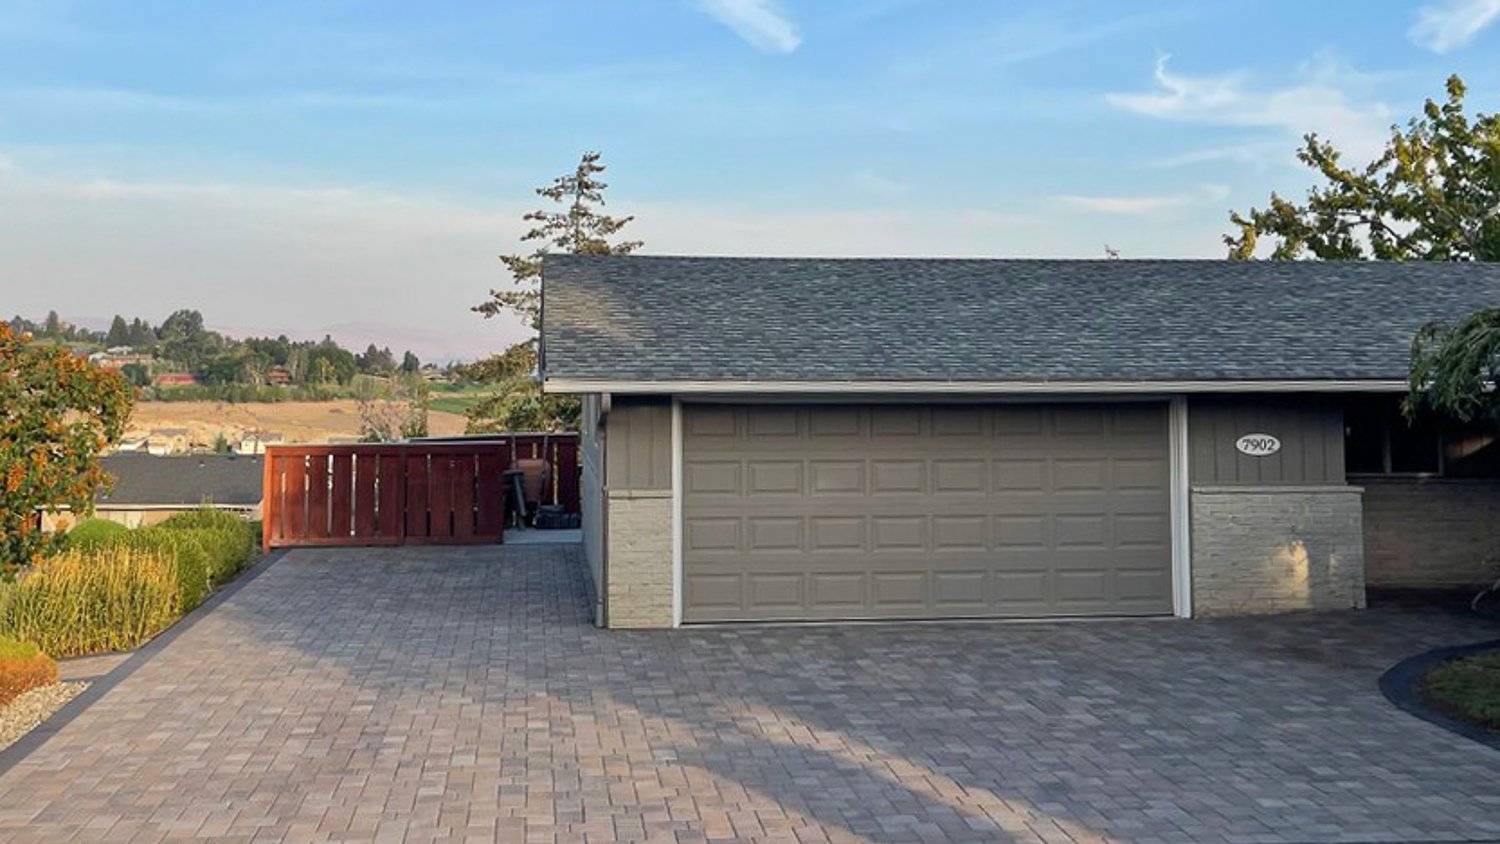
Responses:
[175,379]
[165,441]
[255,442]
[278,376]
[118,357]
[150,489]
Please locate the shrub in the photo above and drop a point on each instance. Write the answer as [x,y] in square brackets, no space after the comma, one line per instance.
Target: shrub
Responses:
[204,517]
[23,667]
[113,597]
[92,532]
[186,549]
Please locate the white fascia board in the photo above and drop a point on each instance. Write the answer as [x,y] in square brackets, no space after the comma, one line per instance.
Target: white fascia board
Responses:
[726,388]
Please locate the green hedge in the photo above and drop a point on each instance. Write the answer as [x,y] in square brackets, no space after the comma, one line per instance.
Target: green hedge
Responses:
[114,591]
[90,532]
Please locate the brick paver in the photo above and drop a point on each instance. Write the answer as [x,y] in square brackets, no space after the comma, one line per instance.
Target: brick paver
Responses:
[459,694]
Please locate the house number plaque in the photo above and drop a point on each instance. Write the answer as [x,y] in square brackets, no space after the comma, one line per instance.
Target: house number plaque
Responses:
[1258,445]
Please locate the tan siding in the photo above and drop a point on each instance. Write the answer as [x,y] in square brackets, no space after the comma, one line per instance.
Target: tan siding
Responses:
[1311,430]
[639,455]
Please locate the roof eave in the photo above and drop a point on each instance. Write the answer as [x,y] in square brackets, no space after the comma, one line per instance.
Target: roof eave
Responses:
[995,388]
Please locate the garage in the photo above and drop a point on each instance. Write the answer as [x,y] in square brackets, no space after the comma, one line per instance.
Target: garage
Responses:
[924,511]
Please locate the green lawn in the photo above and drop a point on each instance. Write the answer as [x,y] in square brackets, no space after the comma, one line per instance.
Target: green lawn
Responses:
[454,399]
[1468,688]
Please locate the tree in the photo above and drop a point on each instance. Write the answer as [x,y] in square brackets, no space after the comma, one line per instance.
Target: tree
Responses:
[579,229]
[119,333]
[53,325]
[141,334]
[57,413]
[518,403]
[1455,368]
[1433,194]
[396,409]
[377,360]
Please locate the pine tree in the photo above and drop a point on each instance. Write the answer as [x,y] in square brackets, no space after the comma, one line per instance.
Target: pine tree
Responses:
[119,333]
[579,229]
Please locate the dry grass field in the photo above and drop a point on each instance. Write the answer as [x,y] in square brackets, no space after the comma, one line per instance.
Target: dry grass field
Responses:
[297,422]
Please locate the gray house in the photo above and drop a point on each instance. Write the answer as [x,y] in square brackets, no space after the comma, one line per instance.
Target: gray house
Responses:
[815,439]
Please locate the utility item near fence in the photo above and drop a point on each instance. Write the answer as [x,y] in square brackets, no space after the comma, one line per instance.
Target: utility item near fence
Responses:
[415,492]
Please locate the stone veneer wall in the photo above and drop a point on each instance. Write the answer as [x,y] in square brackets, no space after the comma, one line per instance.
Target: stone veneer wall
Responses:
[1431,532]
[1273,549]
[640,559]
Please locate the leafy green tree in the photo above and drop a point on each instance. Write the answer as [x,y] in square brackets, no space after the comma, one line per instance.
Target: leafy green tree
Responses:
[517,403]
[53,325]
[1433,194]
[57,413]
[580,228]
[1455,368]
[137,374]
[119,333]
[410,364]
[141,336]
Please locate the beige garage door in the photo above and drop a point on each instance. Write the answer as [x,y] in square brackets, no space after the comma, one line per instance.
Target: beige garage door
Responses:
[915,511]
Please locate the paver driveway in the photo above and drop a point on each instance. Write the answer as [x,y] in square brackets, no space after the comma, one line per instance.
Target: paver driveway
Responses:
[459,694]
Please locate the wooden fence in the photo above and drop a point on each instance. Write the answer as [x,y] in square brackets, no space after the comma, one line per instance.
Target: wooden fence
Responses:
[428,491]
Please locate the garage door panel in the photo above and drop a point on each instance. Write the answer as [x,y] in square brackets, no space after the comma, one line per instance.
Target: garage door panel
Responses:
[836,533]
[833,512]
[959,476]
[960,591]
[838,592]
[774,477]
[897,533]
[712,477]
[899,590]
[837,476]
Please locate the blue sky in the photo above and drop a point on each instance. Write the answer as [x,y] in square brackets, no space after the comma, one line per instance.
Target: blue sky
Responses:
[356,167]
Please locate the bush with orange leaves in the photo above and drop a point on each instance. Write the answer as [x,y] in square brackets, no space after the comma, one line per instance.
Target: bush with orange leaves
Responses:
[22,668]
[57,412]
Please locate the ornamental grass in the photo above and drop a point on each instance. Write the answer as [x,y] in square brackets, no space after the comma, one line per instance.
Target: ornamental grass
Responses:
[109,598]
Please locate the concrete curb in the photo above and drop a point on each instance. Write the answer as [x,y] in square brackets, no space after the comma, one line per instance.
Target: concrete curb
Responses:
[1400,686]
[99,687]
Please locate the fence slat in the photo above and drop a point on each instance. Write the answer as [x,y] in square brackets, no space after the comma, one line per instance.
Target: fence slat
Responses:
[317,496]
[416,497]
[392,496]
[294,496]
[341,501]
[365,504]
[440,497]
[490,519]
[463,497]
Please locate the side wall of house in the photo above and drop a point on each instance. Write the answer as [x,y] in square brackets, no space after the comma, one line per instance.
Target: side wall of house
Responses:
[1279,532]
[638,503]
[1431,532]
[591,432]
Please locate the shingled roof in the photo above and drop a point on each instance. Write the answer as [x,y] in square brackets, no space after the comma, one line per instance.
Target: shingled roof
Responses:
[659,321]
[191,479]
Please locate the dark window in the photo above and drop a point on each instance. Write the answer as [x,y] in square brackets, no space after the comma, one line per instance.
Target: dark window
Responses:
[1379,439]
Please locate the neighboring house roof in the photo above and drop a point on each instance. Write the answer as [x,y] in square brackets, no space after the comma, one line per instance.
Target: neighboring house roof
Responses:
[144,480]
[643,323]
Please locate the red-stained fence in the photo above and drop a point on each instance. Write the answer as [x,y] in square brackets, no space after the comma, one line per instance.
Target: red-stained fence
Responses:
[386,494]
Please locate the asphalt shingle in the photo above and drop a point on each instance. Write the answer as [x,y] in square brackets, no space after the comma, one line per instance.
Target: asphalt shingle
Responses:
[650,318]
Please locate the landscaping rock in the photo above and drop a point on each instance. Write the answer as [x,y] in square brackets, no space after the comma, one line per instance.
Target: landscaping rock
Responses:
[30,709]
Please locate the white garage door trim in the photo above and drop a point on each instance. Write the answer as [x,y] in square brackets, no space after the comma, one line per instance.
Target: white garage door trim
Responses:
[1179,513]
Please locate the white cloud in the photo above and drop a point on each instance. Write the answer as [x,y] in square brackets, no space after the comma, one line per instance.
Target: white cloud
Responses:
[1144,206]
[760,22]
[1444,27]
[1318,102]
